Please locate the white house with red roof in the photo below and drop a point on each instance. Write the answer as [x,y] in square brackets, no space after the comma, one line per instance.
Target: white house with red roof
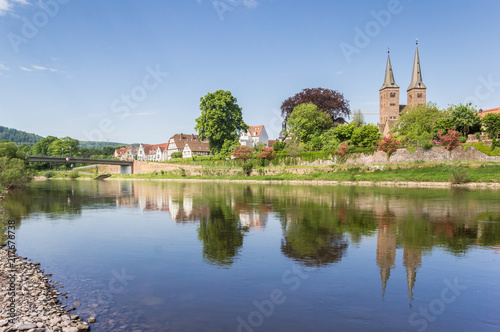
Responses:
[254,135]
[156,152]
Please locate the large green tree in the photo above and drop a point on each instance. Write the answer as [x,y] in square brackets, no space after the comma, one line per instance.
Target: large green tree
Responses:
[64,146]
[465,118]
[42,147]
[366,136]
[221,119]
[419,121]
[491,124]
[307,122]
[13,166]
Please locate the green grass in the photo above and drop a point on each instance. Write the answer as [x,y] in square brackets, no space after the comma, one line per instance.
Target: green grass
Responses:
[410,173]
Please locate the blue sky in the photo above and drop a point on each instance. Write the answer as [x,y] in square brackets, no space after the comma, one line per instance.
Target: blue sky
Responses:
[67,66]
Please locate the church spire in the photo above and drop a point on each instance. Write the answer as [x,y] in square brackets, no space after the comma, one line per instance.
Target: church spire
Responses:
[389,76]
[416,77]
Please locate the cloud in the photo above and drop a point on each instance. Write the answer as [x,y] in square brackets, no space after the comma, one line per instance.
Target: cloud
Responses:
[25,69]
[141,113]
[250,3]
[3,67]
[6,5]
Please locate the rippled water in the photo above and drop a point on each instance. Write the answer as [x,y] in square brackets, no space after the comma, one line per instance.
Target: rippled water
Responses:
[171,256]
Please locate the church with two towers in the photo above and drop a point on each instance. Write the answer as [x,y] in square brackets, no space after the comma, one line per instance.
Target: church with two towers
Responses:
[390,108]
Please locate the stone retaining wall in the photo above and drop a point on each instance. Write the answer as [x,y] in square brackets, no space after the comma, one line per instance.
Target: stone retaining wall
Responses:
[144,167]
[435,154]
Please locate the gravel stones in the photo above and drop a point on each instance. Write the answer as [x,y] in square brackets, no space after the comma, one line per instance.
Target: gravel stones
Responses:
[37,301]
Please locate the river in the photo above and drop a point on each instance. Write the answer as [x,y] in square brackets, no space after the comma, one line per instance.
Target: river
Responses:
[173,256]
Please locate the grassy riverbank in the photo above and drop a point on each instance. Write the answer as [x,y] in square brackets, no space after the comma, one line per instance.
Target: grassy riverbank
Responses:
[453,173]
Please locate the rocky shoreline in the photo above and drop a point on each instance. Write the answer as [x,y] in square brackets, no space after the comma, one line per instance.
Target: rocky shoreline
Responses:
[28,294]
[29,299]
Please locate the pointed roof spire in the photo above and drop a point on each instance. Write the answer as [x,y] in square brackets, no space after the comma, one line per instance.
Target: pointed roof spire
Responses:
[389,76]
[416,77]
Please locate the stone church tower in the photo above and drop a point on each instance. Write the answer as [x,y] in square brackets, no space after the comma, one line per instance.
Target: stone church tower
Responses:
[390,109]
[416,90]
[389,100]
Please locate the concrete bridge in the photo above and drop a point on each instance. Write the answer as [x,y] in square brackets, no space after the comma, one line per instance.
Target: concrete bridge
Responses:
[126,167]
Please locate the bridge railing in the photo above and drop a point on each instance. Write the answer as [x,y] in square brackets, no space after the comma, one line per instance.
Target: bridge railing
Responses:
[72,157]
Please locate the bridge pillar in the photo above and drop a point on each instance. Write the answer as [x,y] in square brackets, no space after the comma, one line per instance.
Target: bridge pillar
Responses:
[125,169]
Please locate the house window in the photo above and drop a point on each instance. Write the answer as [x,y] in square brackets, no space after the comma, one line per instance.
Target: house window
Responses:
[393,104]
[393,94]
[419,95]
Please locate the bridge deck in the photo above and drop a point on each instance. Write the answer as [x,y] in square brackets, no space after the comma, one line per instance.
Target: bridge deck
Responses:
[73,160]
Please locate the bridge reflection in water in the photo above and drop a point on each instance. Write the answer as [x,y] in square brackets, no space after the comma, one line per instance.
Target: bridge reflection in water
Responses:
[126,167]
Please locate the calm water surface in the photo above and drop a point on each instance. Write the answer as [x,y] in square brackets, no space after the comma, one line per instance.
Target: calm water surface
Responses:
[171,256]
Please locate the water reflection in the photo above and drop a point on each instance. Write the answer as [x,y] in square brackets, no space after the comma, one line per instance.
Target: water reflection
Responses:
[318,223]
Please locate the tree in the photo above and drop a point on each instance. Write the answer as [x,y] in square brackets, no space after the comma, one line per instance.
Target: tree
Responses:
[279,146]
[328,101]
[268,154]
[228,147]
[465,118]
[358,118]
[420,120]
[221,119]
[330,140]
[450,140]
[307,122]
[389,145]
[344,132]
[13,167]
[42,147]
[366,136]
[491,123]
[243,152]
[64,146]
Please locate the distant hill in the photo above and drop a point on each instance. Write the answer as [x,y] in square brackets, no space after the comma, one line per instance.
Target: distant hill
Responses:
[17,136]
[21,137]
[100,145]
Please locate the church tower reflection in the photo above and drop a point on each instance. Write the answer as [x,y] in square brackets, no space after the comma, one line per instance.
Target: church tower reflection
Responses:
[386,253]
[386,250]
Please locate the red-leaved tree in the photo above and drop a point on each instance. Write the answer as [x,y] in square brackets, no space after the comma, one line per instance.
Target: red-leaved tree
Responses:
[268,154]
[388,144]
[243,152]
[329,101]
[450,140]
[342,151]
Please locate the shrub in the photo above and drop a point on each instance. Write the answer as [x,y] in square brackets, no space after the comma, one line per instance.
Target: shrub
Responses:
[243,152]
[450,140]
[176,155]
[342,151]
[268,154]
[459,175]
[74,174]
[389,145]
[462,139]
[247,168]
[182,172]
[49,174]
[366,136]
[427,145]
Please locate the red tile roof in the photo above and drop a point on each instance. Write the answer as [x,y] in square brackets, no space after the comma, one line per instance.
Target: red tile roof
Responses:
[490,111]
[255,130]
[271,142]
[198,146]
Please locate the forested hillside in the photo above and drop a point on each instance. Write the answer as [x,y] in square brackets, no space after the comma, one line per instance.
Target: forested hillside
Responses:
[18,136]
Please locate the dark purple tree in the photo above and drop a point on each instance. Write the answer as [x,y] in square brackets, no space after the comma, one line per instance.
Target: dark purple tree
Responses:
[329,101]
